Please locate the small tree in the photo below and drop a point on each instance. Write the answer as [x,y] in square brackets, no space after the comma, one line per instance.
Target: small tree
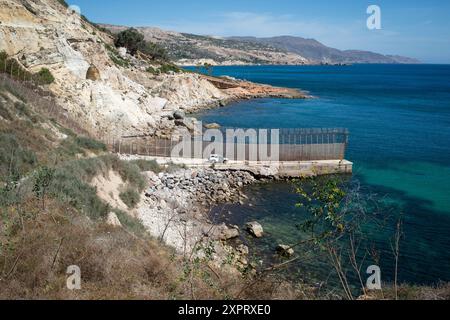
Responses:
[131,39]
[155,51]
[44,76]
[42,181]
[336,213]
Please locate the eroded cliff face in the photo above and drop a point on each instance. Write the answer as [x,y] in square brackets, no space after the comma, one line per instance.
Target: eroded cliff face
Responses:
[124,100]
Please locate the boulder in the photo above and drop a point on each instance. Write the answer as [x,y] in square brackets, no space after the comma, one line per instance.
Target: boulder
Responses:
[113,220]
[93,73]
[224,233]
[285,251]
[255,229]
[179,115]
[122,52]
[186,124]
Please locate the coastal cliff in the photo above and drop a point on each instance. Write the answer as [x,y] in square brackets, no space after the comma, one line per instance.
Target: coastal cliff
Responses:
[124,98]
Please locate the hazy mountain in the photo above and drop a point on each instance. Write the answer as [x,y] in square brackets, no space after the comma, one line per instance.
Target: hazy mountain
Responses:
[317,52]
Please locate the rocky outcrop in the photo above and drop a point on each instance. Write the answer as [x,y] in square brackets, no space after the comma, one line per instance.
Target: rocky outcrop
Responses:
[104,89]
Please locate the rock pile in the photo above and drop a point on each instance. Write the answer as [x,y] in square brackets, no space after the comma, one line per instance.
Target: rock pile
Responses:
[206,186]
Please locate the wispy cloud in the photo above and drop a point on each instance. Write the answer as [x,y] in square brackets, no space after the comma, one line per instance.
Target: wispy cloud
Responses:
[256,24]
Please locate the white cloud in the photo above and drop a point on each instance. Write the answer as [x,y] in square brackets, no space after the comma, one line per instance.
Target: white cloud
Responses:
[256,24]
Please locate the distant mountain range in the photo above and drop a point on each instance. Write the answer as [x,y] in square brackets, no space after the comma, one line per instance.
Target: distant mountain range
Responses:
[317,52]
[191,49]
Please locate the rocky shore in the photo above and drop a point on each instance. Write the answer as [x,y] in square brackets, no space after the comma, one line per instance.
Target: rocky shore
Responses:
[175,209]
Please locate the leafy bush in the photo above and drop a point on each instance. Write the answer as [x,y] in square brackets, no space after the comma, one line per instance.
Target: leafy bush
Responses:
[130,173]
[166,68]
[152,70]
[90,144]
[43,77]
[130,197]
[42,181]
[130,39]
[14,69]
[14,159]
[155,51]
[148,165]
[116,58]
[68,187]
[5,113]
[132,224]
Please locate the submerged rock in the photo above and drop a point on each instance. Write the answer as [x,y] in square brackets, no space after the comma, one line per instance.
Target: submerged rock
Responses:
[226,233]
[255,229]
[285,250]
[179,115]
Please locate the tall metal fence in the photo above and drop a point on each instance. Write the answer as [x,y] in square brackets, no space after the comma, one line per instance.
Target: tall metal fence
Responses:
[290,145]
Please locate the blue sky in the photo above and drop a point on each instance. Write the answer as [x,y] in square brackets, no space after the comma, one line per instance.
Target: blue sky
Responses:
[419,29]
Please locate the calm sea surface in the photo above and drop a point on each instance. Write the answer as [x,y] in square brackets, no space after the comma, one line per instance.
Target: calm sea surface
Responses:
[399,122]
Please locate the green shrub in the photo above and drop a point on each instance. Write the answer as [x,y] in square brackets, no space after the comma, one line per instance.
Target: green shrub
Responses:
[130,197]
[155,51]
[152,70]
[148,165]
[44,77]
[67,186]
[115,57]
[132,224]
[166,68]
[14,159]
[90,144]
[42,181]
[5,113]
[130,39]
[22,109]
[131,173]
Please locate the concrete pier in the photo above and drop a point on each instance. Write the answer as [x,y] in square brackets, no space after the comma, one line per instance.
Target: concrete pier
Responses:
[283,169]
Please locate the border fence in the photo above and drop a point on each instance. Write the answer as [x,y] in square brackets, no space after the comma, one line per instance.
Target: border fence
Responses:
[290,145]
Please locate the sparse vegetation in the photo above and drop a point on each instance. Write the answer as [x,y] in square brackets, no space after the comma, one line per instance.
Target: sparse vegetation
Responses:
[16,70]
[44,77]
[116,58]
[130,39]
[148,165]
[130,197]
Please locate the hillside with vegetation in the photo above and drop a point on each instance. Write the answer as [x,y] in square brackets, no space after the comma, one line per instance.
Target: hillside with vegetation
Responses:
[191,49]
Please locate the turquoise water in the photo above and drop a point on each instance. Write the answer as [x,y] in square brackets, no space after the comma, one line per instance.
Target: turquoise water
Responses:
[399,122]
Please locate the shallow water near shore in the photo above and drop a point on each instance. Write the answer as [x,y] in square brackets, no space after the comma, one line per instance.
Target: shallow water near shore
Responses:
[399,122]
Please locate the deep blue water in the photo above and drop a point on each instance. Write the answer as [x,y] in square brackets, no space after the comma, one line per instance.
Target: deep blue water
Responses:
[399,122]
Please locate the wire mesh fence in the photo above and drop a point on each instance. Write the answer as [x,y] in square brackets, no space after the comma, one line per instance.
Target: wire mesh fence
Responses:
[290,145]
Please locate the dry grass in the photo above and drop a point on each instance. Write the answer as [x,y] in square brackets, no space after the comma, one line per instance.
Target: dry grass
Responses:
[38,246]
